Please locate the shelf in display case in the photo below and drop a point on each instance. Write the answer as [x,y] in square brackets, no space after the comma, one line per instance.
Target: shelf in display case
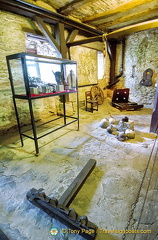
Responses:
[35,74]
[43,95]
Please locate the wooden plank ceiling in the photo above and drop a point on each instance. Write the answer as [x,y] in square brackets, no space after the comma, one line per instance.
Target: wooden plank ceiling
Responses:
[105,15]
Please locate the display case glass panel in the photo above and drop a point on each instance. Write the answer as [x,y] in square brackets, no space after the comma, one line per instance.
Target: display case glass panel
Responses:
[17,76]
[38,75]
[70,76]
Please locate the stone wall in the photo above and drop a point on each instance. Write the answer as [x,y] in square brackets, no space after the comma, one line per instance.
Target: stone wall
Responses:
[86,58]
[13,40]
[140,54]
[87,69]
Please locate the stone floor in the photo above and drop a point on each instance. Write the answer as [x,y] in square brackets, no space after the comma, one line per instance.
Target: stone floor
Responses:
[111,196]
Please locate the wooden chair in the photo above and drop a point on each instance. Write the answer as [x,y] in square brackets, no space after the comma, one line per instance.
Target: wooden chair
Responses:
[120,100]
[91,104]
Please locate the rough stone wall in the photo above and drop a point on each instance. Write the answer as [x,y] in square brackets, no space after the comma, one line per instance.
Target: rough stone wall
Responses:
[13,40]
[141,53]
[88,70]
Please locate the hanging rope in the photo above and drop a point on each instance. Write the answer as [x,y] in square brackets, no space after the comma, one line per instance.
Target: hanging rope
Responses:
[104,39]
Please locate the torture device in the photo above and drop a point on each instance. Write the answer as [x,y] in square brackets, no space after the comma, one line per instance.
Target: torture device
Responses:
[121,101]
[59,209]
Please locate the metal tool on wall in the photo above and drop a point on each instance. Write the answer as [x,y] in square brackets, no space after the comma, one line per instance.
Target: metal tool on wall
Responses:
[147,78]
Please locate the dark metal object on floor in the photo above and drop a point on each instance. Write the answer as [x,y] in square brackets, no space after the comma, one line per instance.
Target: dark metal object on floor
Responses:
[120,100]
[125,119]
[3,236]
[59,209]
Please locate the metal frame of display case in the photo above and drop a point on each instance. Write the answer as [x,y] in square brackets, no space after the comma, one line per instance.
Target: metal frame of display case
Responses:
[30,97]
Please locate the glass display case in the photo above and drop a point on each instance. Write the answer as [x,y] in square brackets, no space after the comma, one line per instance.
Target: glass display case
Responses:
[38,76]
[35,76]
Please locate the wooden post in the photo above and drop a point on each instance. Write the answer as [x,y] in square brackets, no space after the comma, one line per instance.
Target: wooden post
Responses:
[112,55]
[63,47]
[47,33]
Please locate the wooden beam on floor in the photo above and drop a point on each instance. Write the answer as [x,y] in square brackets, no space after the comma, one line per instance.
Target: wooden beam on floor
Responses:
[71,192]
[3,236]
[121,9]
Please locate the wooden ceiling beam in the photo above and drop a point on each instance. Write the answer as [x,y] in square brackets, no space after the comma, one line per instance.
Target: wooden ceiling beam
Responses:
[84,41]
[121,9]
[30,10]
[133,28]
[72,36]
[130,17]
[47,33]
[118,33]
[68,8]
[63,47]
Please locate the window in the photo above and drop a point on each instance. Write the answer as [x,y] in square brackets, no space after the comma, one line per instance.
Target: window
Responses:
[39,45]
[100,60]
